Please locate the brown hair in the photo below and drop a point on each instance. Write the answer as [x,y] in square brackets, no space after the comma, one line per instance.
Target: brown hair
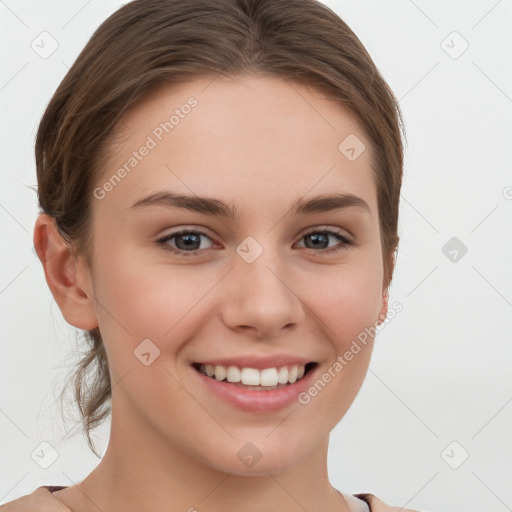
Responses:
[148,44]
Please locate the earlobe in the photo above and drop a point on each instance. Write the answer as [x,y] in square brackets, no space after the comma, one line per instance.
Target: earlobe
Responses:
[62,275]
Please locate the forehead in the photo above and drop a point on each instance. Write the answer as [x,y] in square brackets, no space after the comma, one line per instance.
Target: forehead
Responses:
[251,140]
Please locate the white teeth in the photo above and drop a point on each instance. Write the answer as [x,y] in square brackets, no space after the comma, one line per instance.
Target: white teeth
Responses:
[292,376]
[283,375]
[254,377]
[269,377]
[251,377]
[220,372]
[233,374]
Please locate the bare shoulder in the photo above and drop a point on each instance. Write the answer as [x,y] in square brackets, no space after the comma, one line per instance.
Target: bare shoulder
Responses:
[40,500]
[378,505]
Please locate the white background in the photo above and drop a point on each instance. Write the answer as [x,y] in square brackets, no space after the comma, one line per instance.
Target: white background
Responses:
[440,371]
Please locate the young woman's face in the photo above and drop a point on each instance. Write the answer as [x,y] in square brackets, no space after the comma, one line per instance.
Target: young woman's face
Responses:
[260,289]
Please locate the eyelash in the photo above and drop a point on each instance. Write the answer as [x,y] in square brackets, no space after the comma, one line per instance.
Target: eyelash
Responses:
[346,242]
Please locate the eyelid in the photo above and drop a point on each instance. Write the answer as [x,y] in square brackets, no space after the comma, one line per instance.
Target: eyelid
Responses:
[319,229]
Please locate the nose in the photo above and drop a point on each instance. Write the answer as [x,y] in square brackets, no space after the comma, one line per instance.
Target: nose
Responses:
[259,298]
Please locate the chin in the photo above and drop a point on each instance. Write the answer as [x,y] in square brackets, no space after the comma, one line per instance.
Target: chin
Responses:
[259,457]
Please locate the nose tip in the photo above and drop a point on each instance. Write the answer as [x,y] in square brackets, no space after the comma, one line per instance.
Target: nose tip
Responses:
[261,300]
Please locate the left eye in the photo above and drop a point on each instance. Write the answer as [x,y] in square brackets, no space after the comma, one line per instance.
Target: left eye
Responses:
[324,235]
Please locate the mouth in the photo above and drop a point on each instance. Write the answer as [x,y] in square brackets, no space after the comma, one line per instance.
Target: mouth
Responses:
[266,379]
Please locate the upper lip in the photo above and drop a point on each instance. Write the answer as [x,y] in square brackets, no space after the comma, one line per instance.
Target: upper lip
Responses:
[258,362]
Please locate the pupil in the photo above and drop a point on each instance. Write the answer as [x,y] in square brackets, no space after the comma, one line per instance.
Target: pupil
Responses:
[189,239]
[315,237]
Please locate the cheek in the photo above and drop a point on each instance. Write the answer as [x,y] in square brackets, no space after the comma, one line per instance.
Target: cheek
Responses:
[349,300]
[139,301]
[347,309]
[144,298]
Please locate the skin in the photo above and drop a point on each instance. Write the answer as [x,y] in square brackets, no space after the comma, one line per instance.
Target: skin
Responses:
[260,143]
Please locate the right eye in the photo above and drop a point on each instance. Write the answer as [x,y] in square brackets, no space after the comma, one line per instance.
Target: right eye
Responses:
[187,242]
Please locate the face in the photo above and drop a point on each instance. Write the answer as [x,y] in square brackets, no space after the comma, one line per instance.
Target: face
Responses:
[258,277]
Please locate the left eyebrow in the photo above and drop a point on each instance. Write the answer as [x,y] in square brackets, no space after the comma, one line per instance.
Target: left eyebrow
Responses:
[217,207]
[327,203]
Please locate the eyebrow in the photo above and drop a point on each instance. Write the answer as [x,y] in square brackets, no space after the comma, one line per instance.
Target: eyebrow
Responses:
[212,206]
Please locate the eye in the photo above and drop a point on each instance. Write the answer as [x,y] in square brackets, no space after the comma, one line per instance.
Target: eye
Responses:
[187,242]
[320,237]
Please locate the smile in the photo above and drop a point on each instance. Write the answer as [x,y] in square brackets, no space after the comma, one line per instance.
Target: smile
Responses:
[270,389]
[253,378]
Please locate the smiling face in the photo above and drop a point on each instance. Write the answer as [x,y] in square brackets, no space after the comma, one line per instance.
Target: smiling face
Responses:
[261,281]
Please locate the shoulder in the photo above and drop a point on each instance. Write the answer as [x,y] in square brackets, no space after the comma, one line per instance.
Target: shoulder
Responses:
[377,505]
[40,500]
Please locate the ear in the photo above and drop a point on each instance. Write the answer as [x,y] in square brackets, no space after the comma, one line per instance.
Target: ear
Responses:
[383,313]
[68,279]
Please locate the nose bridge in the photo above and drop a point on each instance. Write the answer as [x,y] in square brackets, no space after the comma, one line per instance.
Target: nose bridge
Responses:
[260,295]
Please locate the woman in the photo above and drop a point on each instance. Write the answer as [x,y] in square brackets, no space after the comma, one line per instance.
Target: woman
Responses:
[219,186]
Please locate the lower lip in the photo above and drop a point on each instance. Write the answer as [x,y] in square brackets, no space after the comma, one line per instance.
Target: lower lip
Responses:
[257,401]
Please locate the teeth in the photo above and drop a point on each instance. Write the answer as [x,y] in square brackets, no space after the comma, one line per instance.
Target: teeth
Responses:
[233,374]
[283,375]
[269,377]
[254,377]
[220,372]
[251,377]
